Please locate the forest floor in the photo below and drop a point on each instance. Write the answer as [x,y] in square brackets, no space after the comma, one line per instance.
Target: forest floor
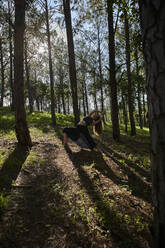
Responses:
[66,197]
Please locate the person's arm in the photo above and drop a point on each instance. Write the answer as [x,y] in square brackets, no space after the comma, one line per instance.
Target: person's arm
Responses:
[94,111]
[100,119]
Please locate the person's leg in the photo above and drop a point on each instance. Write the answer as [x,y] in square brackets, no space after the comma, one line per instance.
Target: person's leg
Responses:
[85,131]
[65,139]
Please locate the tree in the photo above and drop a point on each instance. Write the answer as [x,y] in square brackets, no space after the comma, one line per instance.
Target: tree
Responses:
[2,74]
[21,128]
[127,50]
[153,27]
[72,66]
[11,55]
[27,69]
[50,66]
[112,79]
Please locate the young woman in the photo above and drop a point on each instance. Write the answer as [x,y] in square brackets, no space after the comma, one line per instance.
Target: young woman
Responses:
[80,134]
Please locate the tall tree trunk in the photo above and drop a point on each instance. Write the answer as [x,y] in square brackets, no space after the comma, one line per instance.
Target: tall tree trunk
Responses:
[130,96]
[61,75]
[30,93]
[125,116]
[72,66]
[144,111]
[95,91]
[50,67]
[68,102]
[138,90]
[153,27]
[86,98]
[11,59]
[112,79]
[83,69]
[2,75]
[22,131]
[100,65]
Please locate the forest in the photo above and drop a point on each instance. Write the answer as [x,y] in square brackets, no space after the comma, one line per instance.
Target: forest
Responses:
[60,60]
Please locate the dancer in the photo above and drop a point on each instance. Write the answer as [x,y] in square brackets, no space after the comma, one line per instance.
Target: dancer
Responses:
[80,134]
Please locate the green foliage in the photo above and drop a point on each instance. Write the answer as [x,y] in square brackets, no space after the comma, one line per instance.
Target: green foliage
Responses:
[3,202]
[6,120]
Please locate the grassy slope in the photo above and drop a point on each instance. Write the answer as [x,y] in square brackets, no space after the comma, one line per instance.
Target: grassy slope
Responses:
[103,197]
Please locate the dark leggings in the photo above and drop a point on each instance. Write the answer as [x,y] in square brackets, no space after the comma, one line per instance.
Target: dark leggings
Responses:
[84,130]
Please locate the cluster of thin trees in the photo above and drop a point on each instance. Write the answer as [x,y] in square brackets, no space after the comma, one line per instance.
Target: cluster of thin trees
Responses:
[100,55]
[103,60]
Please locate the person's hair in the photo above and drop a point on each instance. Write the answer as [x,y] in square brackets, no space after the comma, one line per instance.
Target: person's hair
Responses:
[98,128]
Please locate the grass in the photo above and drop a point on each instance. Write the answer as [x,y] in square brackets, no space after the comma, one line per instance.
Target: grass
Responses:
[106,210]
[134,148]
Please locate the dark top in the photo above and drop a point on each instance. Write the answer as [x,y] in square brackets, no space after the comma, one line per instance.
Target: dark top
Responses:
[88,120]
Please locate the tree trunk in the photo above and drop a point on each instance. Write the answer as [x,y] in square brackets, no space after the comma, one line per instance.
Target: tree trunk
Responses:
[112,79]
[11,59]
[72,66]
[130,96]
[50,67]
[95,91]
[86,98]
[138,90]
[100,66]
[21,128]
[2,75]
[153,28]
[61,75]
[144,111]
[68,102]
[125,117]
[29,88]
[83,69]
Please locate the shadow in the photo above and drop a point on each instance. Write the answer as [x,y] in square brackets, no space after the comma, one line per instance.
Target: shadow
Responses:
[42,211]
[137,185]
[109,218]
[143,172]
[142,142]
[12,167]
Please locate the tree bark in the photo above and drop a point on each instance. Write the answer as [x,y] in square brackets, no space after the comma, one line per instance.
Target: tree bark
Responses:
[11,59]
[21,128]
[50,67]
[130,96]
[61,76]
[100,65]
[153,28]
[2,75]
[112,79]
[144,111]
[29,88]
[138,90]
[125,116]
[72,66]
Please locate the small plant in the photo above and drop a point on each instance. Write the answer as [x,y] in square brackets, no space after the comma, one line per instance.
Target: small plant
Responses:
[3,202]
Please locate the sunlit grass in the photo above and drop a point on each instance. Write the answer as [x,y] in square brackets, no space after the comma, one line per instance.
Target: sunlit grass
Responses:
[134,148]
[34,160]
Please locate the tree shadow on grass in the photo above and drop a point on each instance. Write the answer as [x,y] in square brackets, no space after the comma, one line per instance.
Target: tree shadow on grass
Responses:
[39,214]
[138,186]
[12,167]
[110,220]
